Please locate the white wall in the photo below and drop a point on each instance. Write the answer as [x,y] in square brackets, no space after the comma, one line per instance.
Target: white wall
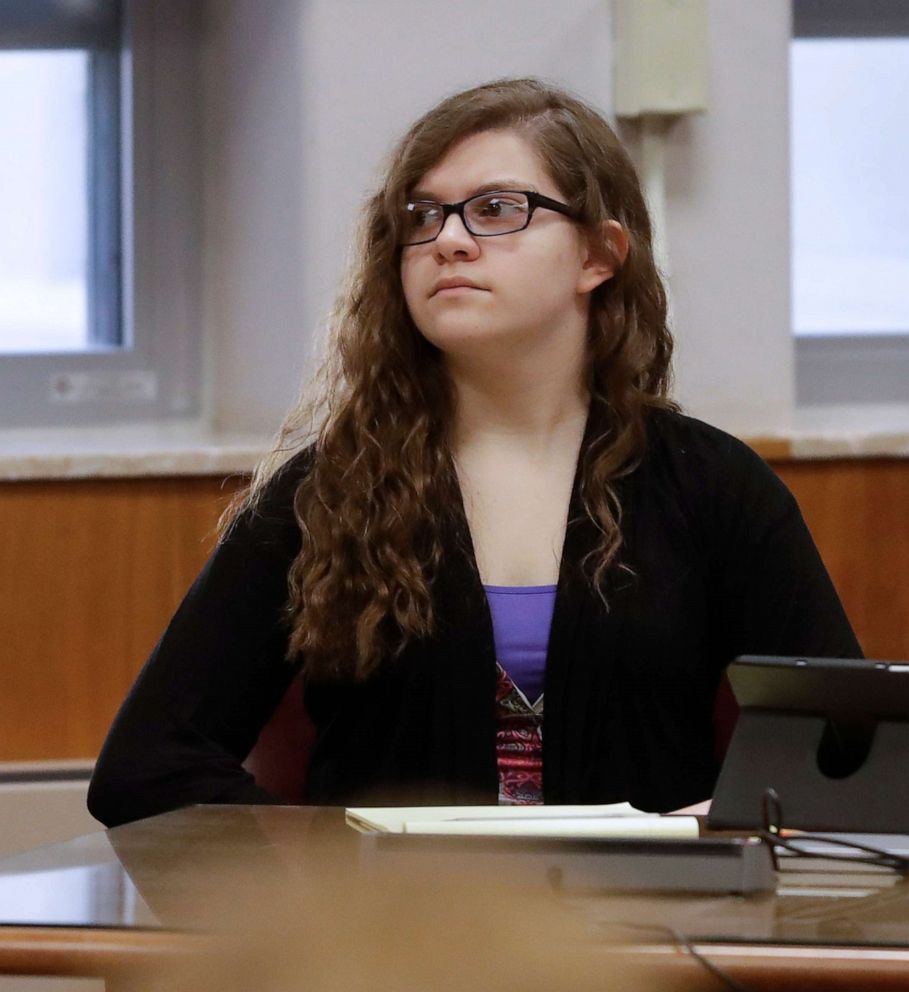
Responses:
[304,97]
[255,246]
[728,227]
[35,813]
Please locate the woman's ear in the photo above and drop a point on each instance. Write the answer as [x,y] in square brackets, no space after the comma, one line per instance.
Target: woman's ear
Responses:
[605,256]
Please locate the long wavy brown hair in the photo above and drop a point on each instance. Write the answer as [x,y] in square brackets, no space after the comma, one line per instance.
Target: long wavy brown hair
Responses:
[381,482]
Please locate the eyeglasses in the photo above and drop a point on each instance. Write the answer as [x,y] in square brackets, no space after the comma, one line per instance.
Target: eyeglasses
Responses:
[485,215]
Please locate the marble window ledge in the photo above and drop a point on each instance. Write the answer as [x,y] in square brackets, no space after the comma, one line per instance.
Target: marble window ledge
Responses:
[126,452]
[175,450]
[854,431]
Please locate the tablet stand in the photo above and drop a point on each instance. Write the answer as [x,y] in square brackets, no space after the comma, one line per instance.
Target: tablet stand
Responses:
[828,776]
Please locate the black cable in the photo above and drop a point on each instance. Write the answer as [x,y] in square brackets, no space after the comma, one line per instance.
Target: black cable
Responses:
[876,855]
[683,941]
[772,811]
[556,885]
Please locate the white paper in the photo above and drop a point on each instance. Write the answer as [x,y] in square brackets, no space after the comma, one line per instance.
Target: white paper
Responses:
[562,827]
[392,819]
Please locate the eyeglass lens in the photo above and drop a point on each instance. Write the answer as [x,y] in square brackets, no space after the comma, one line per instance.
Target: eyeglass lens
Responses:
[485,215]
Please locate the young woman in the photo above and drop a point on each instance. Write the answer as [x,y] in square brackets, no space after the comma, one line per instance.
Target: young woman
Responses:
[501,507]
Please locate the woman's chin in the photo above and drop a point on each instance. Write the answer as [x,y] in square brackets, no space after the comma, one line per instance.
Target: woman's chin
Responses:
[472,339]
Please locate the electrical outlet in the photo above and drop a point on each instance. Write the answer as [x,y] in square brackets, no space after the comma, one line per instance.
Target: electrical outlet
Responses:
[129,386]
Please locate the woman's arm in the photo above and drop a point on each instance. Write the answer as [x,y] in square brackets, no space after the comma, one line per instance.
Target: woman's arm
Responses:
[777,596]
[211,682]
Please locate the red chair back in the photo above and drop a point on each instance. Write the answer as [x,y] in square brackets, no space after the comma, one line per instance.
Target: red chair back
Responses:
[725,713]
[279,760]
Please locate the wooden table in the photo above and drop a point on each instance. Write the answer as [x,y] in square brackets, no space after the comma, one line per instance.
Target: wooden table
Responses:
[295,883]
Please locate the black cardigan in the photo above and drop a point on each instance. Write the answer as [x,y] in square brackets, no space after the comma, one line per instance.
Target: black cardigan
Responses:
[719,563]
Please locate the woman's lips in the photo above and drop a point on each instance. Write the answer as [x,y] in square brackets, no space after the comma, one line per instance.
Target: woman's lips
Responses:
[454,287]
[456,290]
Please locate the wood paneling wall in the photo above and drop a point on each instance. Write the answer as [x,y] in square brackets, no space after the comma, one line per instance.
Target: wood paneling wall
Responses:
[858,513]
[90,572]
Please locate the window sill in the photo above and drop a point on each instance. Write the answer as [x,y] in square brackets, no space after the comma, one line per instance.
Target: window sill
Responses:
[819,432]
[126,452]
[840,431]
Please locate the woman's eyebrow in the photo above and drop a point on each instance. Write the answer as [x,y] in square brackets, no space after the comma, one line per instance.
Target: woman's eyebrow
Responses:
[490,187]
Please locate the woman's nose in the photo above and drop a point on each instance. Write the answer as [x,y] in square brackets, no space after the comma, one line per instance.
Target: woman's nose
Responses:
[455,240]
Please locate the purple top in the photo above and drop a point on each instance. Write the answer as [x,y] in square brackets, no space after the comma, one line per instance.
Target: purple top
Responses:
[521,618]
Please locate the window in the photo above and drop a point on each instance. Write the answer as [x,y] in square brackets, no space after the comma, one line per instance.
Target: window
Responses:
[850,201]
[101,204]
[59,180]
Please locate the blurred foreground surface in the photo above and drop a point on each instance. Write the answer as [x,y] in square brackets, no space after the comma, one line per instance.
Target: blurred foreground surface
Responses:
[290,898]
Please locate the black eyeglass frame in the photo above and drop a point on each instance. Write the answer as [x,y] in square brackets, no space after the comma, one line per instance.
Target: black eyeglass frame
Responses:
[534,201]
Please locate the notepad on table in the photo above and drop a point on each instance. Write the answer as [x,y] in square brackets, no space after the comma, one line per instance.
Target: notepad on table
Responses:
[612,820]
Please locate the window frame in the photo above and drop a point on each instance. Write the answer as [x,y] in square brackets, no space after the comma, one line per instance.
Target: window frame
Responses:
[839,368]
[145,361]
